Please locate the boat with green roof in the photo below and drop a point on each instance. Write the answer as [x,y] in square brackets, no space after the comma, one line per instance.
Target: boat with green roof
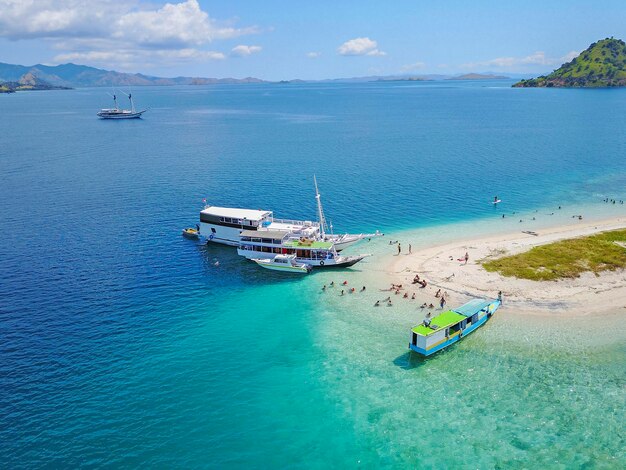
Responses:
[439,332]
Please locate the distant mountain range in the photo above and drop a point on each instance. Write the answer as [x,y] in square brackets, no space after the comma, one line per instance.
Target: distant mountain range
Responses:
[72,75]
[420,78]
[602,64]
[479,76]
[46,77]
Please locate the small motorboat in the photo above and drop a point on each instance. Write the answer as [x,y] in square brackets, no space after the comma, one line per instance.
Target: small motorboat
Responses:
[191,233]
[439,332]
[285,263]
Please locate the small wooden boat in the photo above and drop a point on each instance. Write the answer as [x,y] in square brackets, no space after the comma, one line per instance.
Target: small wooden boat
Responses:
[191,233]
[448,327]
[284,263]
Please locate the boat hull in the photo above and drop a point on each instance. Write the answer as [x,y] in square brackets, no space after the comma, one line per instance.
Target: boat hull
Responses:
[336,262]
[136,115]
[284,269]
[214,233]
[191,233]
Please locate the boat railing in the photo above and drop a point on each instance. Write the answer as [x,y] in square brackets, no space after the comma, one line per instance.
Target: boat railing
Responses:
[305,223]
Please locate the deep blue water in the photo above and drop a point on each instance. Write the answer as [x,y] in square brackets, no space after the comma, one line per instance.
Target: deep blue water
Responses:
[122,344]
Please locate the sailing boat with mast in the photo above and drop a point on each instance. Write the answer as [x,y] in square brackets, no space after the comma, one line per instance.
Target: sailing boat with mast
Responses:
[343,241]
[117,113]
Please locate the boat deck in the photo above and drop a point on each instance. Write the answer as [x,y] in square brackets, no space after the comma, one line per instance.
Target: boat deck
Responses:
[315,245]
[439,322]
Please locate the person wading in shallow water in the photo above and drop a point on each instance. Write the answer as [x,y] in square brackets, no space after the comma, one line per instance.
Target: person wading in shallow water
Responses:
[399,248]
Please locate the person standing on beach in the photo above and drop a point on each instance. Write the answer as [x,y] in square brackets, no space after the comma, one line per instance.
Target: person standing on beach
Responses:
[466,257]
[442,302]
[500,296]
[409,248]
[399,248]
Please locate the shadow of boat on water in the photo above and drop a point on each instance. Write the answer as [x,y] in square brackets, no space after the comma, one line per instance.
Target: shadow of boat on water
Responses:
[410,360]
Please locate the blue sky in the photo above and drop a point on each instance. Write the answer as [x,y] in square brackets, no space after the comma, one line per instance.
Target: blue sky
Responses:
[312,40]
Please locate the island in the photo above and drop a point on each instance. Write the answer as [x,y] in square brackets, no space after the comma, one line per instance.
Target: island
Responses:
[29,81]
[602,64]
[478,76]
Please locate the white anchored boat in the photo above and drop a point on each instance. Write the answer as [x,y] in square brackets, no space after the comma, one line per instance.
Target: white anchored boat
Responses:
[283,263]
[225,225]
[117,113]
[266,244]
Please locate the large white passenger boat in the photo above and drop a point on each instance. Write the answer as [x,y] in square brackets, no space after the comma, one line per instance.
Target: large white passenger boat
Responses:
[225,225]
[267,244]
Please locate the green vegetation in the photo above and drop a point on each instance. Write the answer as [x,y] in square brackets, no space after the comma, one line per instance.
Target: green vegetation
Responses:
[32,84]
[603,64]
[565,259]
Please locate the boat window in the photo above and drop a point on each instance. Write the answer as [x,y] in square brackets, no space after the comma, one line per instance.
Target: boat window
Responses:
[447,331]
[221,219]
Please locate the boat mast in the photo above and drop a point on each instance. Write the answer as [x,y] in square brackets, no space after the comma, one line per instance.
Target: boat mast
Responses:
[114,100]
[320,211]
[132,105]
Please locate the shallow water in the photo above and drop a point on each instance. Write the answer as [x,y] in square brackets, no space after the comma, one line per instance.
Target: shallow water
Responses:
[122,344]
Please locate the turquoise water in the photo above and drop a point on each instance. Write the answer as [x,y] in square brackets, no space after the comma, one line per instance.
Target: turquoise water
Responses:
[121,344]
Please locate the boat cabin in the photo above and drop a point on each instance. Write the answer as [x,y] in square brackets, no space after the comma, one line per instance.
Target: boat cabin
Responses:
[257,242]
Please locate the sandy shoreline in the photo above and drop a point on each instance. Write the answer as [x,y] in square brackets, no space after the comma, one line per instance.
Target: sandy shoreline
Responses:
[584,296]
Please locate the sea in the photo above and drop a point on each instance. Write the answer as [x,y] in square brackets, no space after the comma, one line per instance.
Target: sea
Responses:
[124,345]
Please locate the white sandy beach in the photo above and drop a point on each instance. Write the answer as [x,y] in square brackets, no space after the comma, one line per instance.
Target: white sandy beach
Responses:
[584,296]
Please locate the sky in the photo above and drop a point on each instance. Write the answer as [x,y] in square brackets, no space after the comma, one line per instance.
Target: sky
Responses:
[282,40]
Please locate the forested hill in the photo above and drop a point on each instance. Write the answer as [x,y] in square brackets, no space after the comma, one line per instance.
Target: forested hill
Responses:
[603,64]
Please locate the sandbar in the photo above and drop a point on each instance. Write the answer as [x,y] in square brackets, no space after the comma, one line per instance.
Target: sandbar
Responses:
[588,295]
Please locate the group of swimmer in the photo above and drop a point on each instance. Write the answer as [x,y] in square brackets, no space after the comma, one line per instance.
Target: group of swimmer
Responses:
[396,288]
[613,201]
[352,290]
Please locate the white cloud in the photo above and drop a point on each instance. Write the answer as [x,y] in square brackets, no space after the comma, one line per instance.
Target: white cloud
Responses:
[90,30]
[313,55]
[144,57]
[413,66]
[360,46]
[244,51]
[538,58]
